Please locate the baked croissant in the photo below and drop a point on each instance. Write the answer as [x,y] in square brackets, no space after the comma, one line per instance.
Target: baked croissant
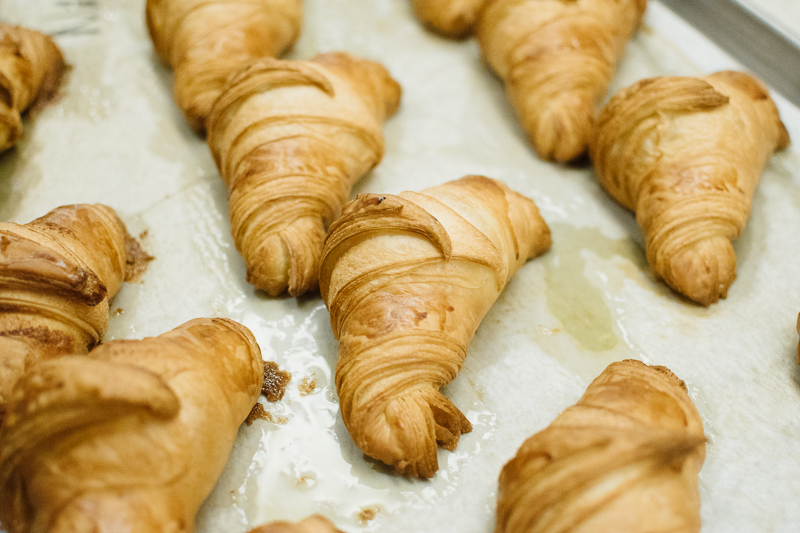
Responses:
[407,280]
[57,275]
[312,524]
[686,155]
[131,437]
[206,41]
[557,58]
[31,69]
[290,138]
[798,344]
[624,458]
[453,18]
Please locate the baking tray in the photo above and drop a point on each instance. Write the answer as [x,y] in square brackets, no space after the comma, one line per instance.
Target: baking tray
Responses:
[116,137]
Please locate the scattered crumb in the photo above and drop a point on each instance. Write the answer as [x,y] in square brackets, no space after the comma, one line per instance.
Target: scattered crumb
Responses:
[119,311]
[308,385]
[305,482]
[275,381]
[137,260]
[259,413]
[367,514]
[143,235]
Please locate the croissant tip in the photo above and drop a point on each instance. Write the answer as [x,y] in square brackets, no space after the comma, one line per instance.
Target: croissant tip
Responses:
[703,273]
[561,136]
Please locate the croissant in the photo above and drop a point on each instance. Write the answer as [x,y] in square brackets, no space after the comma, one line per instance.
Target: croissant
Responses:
[57,275]
[290,138]
[624,458]
[407,280]
[557,58]
[206,41]
[312,524]
[453,18]
[798,345]
[686,155]
[31,69]
[131,437]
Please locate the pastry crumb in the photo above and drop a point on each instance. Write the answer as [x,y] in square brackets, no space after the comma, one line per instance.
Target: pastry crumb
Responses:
[119,311]
[367,514]
[259,413]
[137,259]
[308,385]
[275,381]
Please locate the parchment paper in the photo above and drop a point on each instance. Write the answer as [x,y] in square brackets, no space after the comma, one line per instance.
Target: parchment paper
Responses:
[116,137]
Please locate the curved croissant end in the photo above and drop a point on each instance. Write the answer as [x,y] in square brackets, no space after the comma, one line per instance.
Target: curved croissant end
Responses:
[31,69]
[131,437]
[627,454]
[207,41]
[57,275]
[407,280]
[686,155]
[312,524]
[557,58]
[290,139]
[452,18]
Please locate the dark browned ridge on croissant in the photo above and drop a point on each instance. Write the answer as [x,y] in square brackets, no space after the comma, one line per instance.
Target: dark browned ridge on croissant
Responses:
[407,280]
[624,458]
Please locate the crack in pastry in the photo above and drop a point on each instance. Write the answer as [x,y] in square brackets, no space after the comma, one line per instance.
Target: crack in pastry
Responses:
[407,280]
[625,457]
[57,276]
[686,154]
[131,437]
[206,41]
[557,58]
[31,70]
[290,138]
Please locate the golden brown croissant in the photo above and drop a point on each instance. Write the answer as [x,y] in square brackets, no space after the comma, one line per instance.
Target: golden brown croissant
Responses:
[31,68]
[312,524]
[407,280]
[557,58]
[206,41]
[798,344]
[290,138]
[57,275]
[624,458]
[686,155]
[453,18]
[131,437]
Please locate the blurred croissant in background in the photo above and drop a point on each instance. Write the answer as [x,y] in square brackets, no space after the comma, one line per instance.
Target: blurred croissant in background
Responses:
[407,280]
[625,458]
[57,275]
[31,69]
[557,58]
[290,138]
[453,18]
[131,437]
[686,155]
[206,41]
